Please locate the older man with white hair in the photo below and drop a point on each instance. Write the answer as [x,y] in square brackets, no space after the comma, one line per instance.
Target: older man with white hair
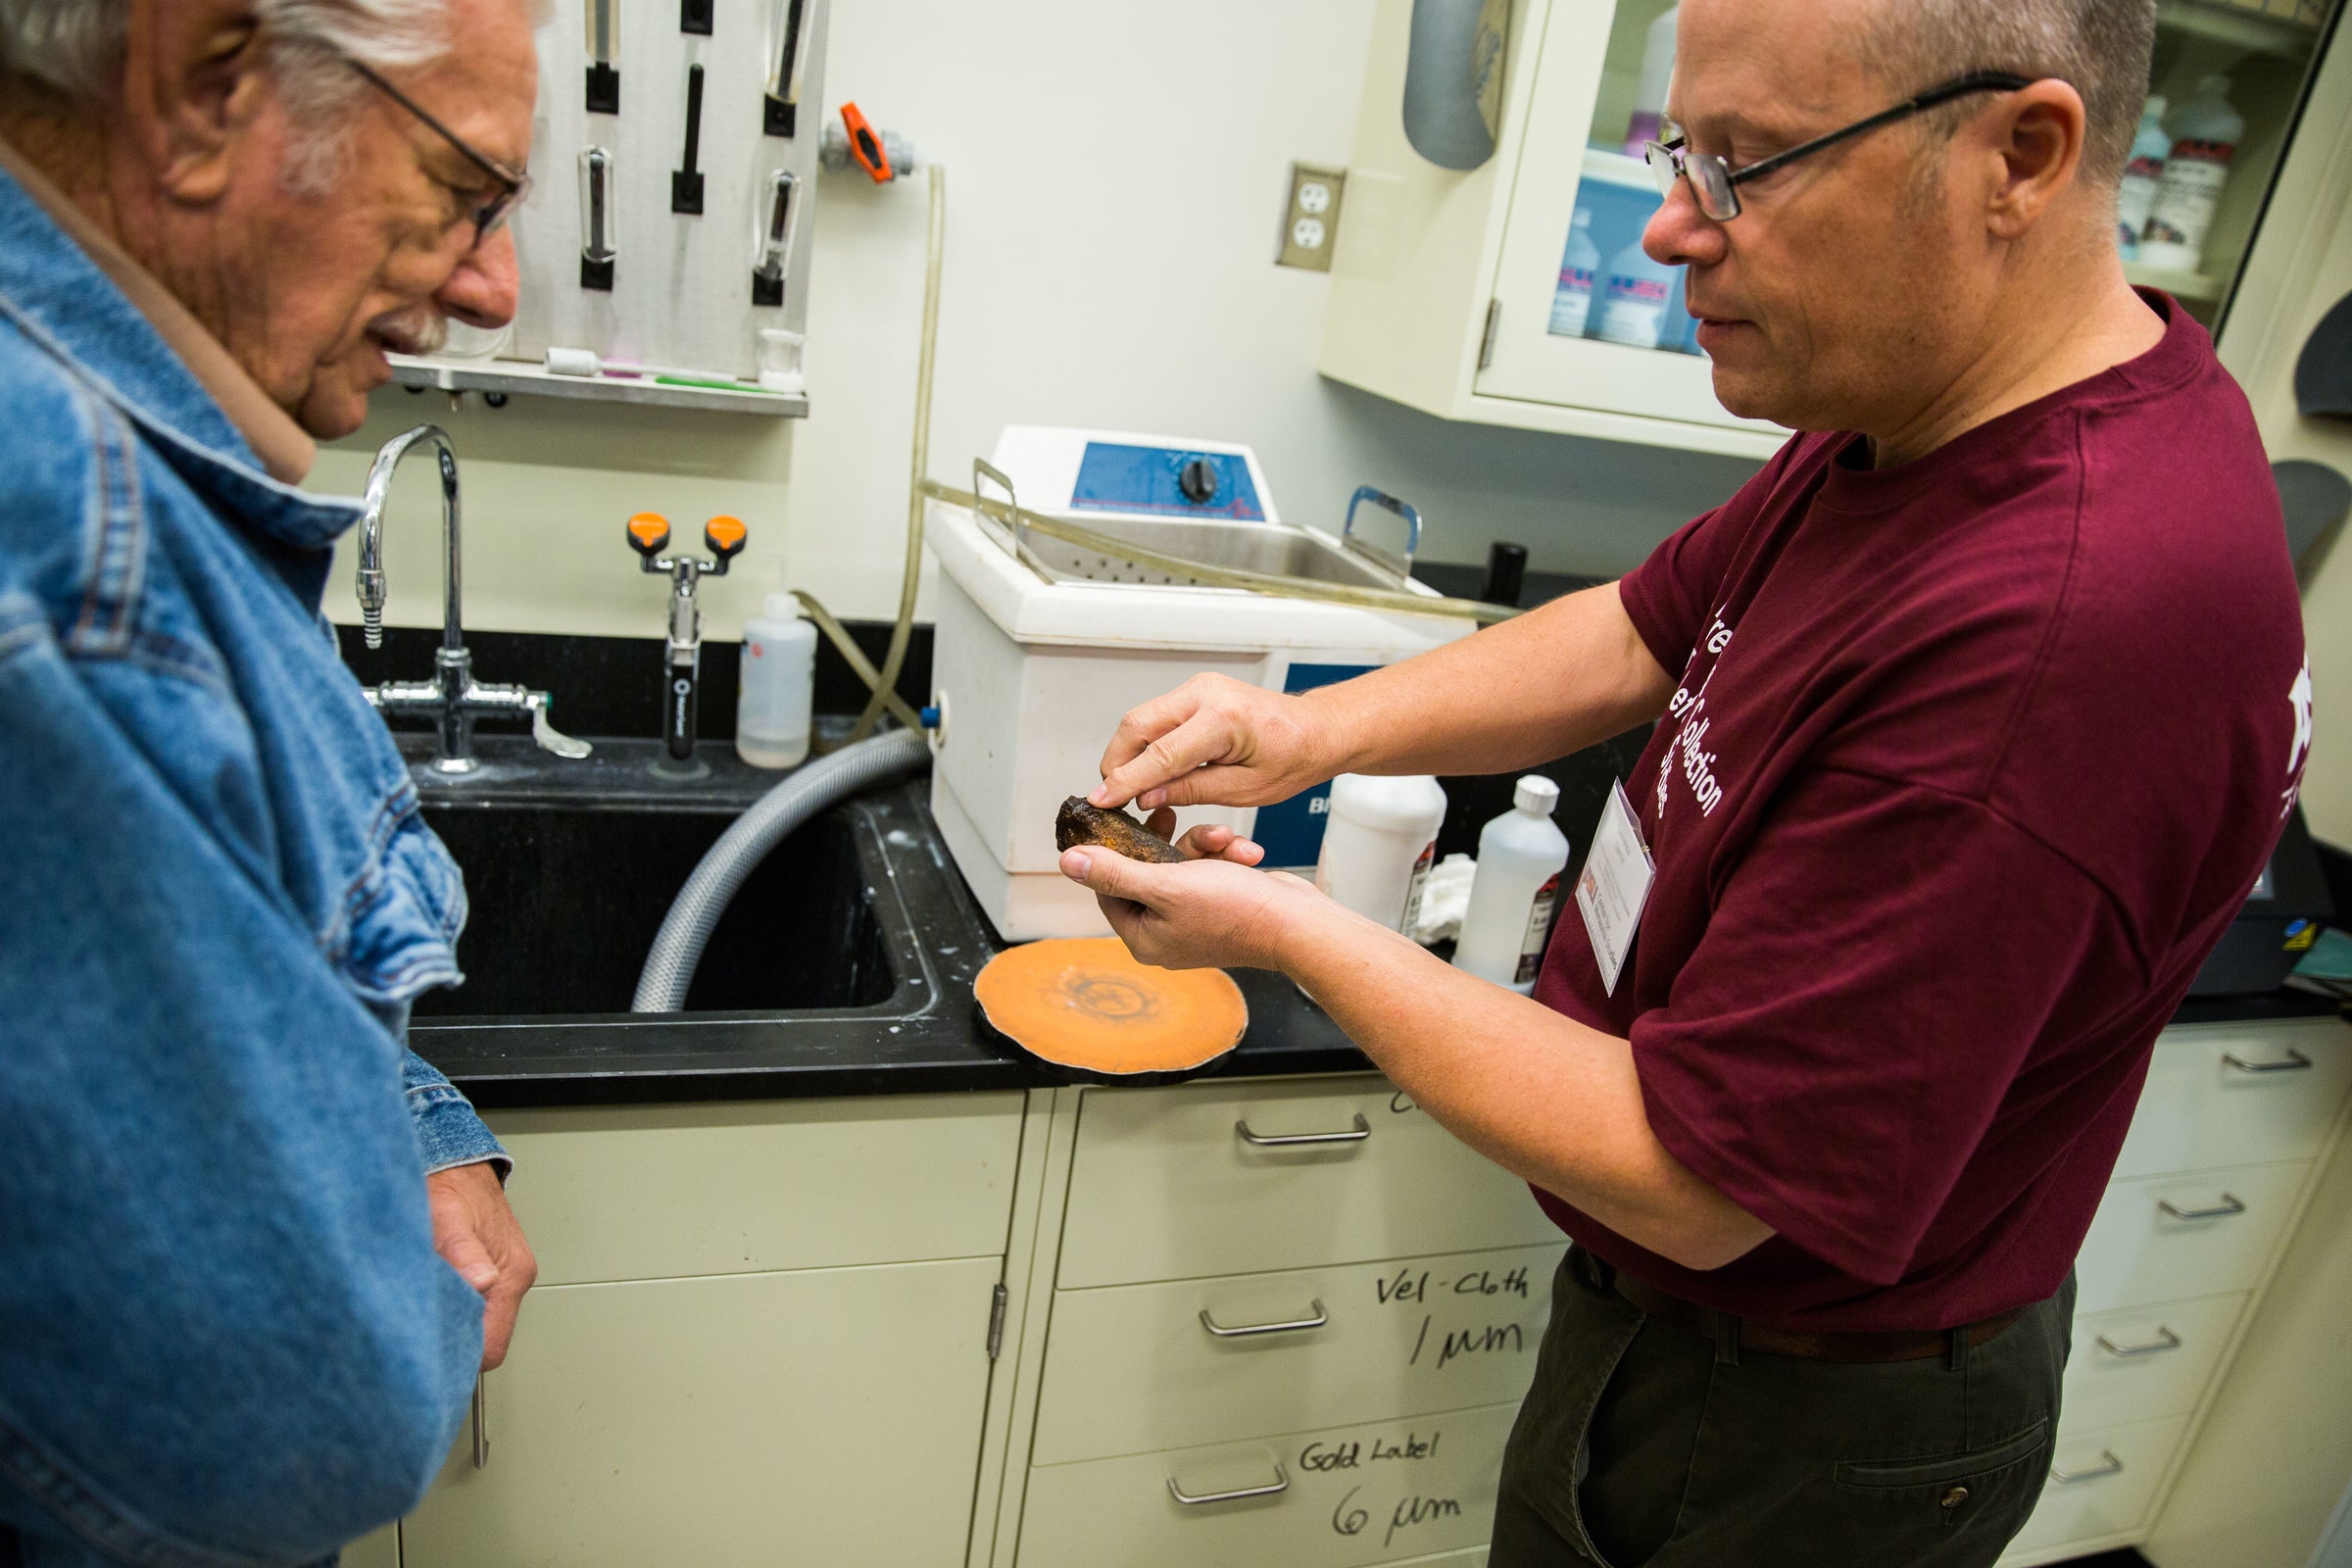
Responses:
[255,1251]
[1977,714]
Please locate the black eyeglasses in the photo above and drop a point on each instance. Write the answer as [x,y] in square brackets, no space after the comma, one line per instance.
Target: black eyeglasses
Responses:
[1715,182]
[512,186]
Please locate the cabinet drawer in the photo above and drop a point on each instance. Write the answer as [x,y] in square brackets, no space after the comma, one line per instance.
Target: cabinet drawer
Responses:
[649,1192]
[1381,1494]
[830,1416]
[1166,1185]
[1387,1340]
[2145,1362]
[2172,1237]
[2110,1482]
[2221,1095]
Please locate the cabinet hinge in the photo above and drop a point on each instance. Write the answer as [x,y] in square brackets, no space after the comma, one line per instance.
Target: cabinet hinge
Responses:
[1486,345]
[996,1320]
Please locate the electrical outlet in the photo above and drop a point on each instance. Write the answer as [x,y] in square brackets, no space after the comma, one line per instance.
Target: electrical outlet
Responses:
[1310,226]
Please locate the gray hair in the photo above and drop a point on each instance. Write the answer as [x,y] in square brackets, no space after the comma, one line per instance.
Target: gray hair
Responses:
[76,47]
[2101,48]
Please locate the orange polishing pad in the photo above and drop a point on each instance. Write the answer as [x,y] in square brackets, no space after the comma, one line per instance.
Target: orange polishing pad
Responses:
[1084,1005]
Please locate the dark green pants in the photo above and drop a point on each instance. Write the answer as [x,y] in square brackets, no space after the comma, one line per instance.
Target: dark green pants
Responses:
[1642,1443]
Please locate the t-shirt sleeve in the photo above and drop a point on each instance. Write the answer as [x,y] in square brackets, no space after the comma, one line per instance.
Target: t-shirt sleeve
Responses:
[1864,996]
[1669,596]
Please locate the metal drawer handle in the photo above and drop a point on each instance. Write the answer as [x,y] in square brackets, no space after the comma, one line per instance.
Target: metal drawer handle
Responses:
[1282,1482]
[2296,1062]
[2228,1206]
[2166,1340]
[1362,1131]
[2109,1465]
[482,1423]
[1244,1330]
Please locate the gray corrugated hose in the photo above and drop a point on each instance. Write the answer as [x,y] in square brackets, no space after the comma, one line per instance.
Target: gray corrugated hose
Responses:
[677,949]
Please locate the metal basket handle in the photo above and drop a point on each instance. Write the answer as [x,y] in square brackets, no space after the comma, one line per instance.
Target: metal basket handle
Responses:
[1401,566]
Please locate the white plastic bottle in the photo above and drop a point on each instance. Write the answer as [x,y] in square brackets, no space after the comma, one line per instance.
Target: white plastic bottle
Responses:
[2137,194]
[1579,269]
[1650,87]
[1521,854]
[1379,842]
[2205,132]
[1633,300]
[772,702]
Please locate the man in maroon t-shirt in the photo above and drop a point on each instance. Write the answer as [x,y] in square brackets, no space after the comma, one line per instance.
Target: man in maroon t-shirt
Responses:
[1978,712]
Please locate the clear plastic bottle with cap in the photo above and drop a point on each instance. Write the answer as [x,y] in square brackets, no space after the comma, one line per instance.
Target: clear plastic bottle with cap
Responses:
[1521,855]
[774,700]
[1380,838]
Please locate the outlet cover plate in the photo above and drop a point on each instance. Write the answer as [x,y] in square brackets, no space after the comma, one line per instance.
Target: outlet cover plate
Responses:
[1310,220]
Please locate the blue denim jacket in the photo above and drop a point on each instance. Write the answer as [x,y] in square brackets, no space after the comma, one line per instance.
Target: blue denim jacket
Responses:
[224,1335]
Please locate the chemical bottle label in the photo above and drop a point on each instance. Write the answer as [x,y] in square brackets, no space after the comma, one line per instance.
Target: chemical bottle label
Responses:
[1413,893]
[1634,312]
[1571,302]
[1539,929]
[2188,192]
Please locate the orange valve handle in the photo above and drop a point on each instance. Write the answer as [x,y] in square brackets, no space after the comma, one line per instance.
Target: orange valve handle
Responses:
[865,144]
[726,536]
[649,532]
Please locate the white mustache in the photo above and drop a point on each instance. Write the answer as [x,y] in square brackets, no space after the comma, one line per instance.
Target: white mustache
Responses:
[419,329]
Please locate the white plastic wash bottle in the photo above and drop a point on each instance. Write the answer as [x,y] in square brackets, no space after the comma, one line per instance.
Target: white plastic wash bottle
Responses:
[773,701]
[1379,843]
[1521,854]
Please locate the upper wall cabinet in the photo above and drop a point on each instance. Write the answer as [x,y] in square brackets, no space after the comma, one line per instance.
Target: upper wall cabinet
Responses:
[1516,293]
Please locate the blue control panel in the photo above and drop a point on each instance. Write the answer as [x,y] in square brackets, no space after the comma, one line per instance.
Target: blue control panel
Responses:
[1291,831]
[1153,481]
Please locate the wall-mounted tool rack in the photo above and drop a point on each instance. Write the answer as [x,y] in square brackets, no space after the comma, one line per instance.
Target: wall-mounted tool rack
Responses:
[673,156]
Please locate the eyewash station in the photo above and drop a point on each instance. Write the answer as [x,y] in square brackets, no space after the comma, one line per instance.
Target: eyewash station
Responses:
[749,612]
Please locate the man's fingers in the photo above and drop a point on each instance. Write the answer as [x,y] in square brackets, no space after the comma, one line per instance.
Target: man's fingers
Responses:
[1139,730]
[461,1250]
[1105,872]
[1214,841]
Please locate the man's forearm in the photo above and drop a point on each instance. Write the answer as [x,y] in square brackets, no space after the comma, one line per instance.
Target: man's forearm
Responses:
[1540,1094]
[1558,679]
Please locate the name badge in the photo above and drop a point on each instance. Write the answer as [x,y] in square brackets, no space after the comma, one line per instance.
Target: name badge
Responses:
[1614,886]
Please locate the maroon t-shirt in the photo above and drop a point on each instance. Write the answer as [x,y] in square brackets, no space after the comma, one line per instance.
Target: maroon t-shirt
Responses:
[1971,763]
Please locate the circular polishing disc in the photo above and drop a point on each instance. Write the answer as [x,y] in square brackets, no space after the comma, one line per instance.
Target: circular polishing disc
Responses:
[1086,1007]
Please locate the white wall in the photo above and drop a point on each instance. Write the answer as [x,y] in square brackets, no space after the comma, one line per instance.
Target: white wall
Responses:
[1115,177]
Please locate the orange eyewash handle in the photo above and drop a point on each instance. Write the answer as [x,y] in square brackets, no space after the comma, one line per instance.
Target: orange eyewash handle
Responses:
[865,144]
[648,534]
[726,536]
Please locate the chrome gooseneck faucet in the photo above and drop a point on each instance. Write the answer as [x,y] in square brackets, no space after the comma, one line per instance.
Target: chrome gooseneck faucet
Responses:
[452,698]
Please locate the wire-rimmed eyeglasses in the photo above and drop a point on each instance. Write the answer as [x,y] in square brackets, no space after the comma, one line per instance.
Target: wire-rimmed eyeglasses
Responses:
[514,185]
[1716,184]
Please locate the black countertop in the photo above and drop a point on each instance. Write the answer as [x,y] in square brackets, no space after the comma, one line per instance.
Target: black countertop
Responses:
[922,1037]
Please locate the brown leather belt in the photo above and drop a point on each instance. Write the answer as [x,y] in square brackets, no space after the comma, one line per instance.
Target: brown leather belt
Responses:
[1898,1344]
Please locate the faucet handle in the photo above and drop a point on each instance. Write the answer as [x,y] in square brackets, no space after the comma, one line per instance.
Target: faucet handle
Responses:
[726,537]
[648,534]
[547,737]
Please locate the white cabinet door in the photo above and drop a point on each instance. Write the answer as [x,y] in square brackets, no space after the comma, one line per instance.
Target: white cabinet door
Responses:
[827,1416]
[1528,361]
